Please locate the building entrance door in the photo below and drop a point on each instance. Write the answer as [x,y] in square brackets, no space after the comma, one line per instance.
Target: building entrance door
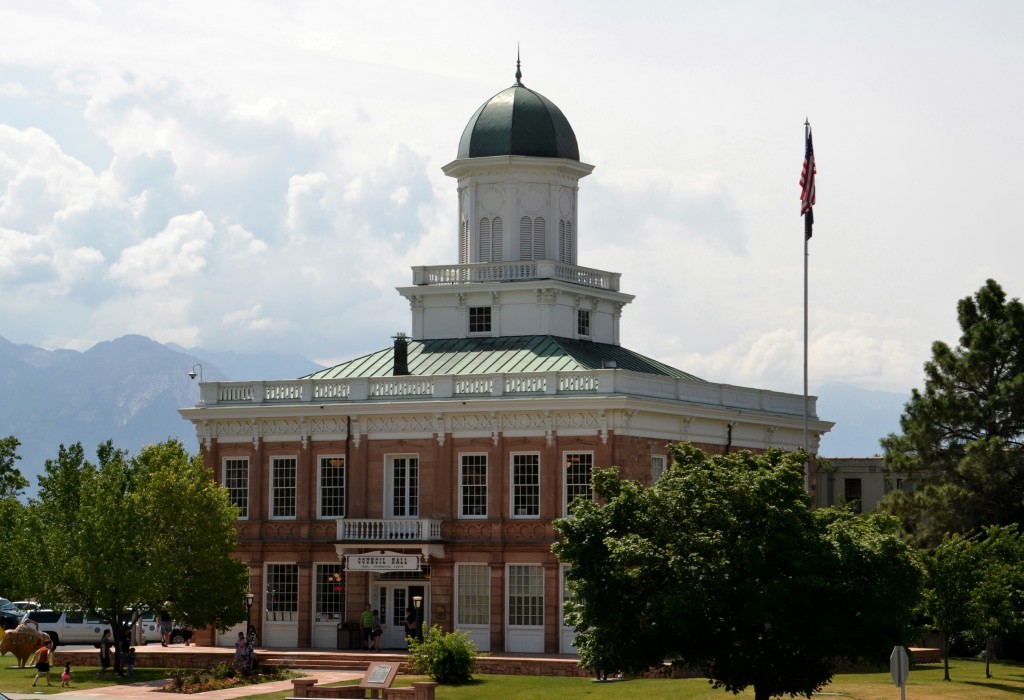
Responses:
[394,600]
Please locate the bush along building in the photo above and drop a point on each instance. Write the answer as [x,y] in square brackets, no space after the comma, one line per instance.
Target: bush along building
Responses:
[427,474]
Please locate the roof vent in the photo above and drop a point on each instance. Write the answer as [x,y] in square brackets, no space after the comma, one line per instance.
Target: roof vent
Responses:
[401,366]
[609,364]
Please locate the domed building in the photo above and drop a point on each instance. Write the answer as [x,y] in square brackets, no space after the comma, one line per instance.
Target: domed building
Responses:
[427,475]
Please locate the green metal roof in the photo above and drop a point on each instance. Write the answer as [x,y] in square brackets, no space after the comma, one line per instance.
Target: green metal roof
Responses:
[524,353]
[519,122]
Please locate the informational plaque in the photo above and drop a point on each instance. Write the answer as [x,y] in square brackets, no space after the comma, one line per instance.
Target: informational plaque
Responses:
[380,675]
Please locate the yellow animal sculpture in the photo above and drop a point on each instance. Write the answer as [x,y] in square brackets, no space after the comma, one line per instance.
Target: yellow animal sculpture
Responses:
[22,641]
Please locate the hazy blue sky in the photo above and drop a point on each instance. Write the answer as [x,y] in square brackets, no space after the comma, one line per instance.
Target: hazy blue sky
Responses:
[256,175]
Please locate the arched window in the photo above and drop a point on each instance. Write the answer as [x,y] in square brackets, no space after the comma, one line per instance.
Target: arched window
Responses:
[485,240]
[497,232]
[532,238]
[464,242]
[540,239]
[490,239]
[565,241]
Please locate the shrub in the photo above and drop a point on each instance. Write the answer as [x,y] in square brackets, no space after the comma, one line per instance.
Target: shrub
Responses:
[448,658]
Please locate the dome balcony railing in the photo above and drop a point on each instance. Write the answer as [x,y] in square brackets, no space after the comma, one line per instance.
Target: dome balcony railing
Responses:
[513,271]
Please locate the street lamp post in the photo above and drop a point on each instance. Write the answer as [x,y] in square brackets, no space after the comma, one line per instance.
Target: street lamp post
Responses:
[192,375]
[248,611]
[417,602]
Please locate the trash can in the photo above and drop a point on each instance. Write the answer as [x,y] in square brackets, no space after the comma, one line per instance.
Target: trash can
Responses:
[349,636]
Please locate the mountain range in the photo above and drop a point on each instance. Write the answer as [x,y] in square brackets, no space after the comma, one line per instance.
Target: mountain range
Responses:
[130,389]
[127,390]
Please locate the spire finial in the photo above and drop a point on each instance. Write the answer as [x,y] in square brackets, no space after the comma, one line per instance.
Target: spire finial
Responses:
[519,73]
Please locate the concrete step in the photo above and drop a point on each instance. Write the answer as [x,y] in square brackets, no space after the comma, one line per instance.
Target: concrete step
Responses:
[349,662]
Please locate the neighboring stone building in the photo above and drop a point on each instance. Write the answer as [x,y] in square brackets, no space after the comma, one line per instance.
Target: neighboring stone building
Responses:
[858,481]
[433,468]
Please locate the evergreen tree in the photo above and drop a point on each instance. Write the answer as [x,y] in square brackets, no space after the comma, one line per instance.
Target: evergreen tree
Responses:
[962,440]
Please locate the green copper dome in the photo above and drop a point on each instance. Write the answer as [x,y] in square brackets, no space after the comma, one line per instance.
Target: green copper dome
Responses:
[519,122]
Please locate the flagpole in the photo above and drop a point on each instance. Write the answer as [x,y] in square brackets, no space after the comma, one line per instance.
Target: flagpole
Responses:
[807,467]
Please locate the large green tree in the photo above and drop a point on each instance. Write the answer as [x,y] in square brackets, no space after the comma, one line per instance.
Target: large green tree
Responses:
[953,573]
[998,599]
[975,584]
[127,533]
[722,566]
[12,487]
[962,439]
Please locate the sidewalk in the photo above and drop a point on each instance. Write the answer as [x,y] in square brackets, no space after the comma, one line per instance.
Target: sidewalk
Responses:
[147,691]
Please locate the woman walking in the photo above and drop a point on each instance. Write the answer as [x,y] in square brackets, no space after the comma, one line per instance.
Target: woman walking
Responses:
[42,657]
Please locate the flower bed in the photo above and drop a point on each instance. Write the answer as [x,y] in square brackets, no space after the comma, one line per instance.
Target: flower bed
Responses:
[220,676]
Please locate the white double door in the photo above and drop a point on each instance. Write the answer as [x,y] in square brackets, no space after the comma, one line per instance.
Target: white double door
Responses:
[393,600]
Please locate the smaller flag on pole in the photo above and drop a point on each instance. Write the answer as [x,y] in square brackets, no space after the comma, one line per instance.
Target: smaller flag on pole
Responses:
[807,186]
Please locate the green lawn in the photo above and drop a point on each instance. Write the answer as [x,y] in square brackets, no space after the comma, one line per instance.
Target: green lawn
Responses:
[19,680]
[925,683]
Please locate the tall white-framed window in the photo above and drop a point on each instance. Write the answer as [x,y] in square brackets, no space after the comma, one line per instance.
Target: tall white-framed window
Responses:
[473,594]
[525,491]
[567,636]
[402,489]
[331,477]
[473,485]
[236,481]
[657,467]
[329,592]
[579,467]
[525,595]
[583,322]
[283,472]
[282,595]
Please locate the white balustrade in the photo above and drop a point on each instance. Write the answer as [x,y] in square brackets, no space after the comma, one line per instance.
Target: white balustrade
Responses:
[603,381]
[384,530]
[510,271]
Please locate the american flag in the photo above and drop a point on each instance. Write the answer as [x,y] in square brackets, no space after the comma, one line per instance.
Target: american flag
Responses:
[807,187]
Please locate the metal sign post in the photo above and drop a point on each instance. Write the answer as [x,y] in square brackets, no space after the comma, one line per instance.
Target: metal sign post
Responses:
[899,669]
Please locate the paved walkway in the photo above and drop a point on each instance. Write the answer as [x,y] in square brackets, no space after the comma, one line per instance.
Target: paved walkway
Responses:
[147,691]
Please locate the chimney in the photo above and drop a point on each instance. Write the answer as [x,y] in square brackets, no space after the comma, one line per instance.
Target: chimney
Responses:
[401,366]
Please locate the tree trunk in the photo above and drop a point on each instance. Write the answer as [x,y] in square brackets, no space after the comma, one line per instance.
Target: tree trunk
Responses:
[760,693]
[988,654]
[945,655]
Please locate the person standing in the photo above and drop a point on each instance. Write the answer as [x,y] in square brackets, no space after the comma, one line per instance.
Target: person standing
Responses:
[106,647]
[239,648]
[65,678]
[165,626]
[130,661]
[376,632]
[410,624]
[366,620]
[249,660]
[42,657]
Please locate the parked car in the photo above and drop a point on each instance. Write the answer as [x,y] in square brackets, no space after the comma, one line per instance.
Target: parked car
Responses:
[10,616]
[69,627]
